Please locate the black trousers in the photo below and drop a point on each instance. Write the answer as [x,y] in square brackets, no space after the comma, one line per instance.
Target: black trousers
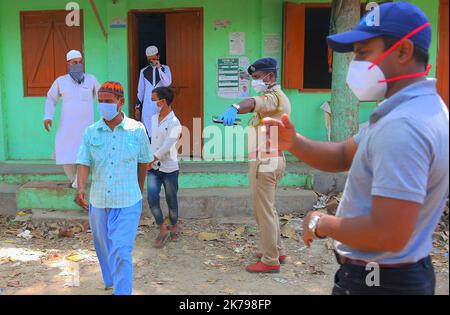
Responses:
[414,279]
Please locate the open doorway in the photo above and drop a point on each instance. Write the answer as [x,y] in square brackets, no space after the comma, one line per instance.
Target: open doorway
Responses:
[151,30]
[178,34]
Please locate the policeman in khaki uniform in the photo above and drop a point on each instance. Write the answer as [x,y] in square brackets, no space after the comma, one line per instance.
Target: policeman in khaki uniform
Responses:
[266,165]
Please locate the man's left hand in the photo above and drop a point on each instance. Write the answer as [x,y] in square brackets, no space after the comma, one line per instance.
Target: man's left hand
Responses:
[158,64]
[308,235]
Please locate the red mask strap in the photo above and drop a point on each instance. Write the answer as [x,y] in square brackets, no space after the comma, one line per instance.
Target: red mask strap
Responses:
[387,52]
[408,76]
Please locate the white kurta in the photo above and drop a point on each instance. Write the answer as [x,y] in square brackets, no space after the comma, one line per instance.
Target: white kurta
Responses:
[146,85]
[77,113]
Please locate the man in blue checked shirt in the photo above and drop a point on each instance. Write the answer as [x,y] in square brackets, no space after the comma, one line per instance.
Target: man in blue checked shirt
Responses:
[117,151]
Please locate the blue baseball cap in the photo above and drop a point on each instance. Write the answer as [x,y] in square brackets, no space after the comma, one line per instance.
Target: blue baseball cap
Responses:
[264,64]
[396,19]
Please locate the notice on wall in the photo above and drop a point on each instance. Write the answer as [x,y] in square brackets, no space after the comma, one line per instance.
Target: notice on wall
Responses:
[237,43]
[272,44]
[233,78]
[119,23]
[218,24]
[228,77]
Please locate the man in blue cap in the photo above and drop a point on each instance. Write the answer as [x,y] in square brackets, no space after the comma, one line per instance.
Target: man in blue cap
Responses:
[399,165]
[266,166]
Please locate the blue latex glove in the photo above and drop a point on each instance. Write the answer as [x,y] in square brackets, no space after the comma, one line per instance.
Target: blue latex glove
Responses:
[229,117]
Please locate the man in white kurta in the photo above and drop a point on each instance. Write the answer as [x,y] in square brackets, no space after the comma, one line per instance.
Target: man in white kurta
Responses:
[151,77]
[78,91]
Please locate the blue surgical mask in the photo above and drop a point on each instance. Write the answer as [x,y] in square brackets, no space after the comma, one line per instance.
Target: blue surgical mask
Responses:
[76,72]
[108,110]
[158,107]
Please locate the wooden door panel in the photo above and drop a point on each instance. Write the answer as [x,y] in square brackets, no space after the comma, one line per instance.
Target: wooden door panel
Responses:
[133,57]
[293,49]
[184,57]
[66,38]
[37,35]
[46,39]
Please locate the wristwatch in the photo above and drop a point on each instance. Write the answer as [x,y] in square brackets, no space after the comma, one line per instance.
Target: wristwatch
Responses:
[313,224]
[237,107]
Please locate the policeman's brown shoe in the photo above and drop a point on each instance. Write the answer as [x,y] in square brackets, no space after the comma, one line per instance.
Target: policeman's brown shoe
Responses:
[261,267]
[282,259]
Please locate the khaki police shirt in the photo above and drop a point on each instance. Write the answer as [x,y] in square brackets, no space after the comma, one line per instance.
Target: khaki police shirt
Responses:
[272,104]
[269,105]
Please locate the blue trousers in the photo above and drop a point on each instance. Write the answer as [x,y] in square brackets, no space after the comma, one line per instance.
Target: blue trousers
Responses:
[114,232]
[156,179]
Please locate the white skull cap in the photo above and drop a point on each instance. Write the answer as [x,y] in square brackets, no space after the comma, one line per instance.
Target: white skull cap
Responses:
[151,51]
[73,54]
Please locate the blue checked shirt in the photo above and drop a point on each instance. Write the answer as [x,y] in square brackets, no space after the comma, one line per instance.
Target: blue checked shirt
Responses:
[113,158]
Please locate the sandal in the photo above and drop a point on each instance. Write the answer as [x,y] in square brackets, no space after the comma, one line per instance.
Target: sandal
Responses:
[161,240]
[174,236]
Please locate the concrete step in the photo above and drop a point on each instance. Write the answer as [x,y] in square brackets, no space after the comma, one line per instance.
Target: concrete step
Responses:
[46,195]
[194,203]
[192,174]
[8,199]
[8,204]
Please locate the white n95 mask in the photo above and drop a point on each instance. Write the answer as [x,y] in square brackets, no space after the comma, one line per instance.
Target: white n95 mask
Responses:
[367,81]
[259,86]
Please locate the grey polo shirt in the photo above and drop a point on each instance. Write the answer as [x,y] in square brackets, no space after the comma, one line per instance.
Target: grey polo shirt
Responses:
[403,154]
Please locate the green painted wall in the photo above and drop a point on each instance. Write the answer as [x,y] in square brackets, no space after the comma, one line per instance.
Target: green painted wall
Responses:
[3,142]
[22,136]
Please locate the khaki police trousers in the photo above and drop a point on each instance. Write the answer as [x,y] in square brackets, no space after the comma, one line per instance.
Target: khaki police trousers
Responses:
[264,178]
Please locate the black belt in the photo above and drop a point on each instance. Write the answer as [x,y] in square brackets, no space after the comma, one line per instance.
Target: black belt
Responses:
[342,260]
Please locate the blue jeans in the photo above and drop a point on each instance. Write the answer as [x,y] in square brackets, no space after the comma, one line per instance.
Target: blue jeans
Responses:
[114,232]
[414,279]
[155,180]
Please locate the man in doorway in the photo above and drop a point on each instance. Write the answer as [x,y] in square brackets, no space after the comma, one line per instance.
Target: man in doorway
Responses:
[164,170]
[117,151]
[399,164]
[153,76]
[78,91]
[266,168]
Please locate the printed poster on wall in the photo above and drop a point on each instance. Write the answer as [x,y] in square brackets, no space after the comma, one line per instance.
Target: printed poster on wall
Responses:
[233,78]
[237,43]
[272,44]
[228,77]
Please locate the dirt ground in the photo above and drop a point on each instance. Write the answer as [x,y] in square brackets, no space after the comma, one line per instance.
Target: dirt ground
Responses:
[209,259]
